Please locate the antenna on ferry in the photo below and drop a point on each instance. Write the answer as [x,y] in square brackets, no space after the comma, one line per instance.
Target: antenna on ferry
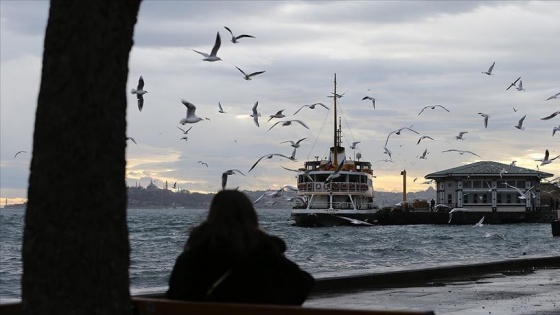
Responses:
[335,147]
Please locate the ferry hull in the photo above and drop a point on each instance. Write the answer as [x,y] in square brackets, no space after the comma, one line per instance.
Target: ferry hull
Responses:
[327,218]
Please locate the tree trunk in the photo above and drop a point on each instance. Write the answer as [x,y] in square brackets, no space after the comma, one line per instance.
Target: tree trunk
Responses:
[75,245]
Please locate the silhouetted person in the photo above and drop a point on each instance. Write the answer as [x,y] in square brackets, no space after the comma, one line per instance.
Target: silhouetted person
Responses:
[228,258]
[432,204]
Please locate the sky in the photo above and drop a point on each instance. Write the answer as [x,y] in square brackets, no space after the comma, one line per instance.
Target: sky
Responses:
[405,54]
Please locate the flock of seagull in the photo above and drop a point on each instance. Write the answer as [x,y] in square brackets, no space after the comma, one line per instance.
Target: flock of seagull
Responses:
[192,118]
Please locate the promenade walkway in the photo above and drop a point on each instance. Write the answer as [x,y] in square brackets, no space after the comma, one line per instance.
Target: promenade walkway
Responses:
[510,288]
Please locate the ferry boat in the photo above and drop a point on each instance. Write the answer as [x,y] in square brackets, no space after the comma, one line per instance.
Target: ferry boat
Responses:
[335,191]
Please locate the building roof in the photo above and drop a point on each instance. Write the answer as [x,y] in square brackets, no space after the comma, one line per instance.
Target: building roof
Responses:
[488,168]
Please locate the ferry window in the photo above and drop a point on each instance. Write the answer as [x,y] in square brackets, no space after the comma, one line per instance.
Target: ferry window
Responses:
[499,198]
[449,198]
[467,184]
[475,198]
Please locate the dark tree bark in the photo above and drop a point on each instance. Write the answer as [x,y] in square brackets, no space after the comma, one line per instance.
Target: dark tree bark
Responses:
[75,245]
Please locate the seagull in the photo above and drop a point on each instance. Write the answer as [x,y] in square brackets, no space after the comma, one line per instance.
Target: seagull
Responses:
[212,56]
[256,114]
[422,138]
[203,163]
[337,95]
[235,38]
[312,106]
[460,136]
[225,176]
[248,76]
[185,138]
[479,223]
[388,152]
[555,96]
[432,107]
[369,98]
[139,91]
[520,123]
[489,72]
[354,221]
[546,160]
[386,160]
[191,117]
[175,185]
[519,191]
[185,131]
[512,164]
[502,171]
[551,116]
[461,152]
[423,156]
[335,174]
[19,153]
[398,132]
[486,116]
[221,110]
[513,83]
[554,129]
[353,146]
[294,144]
[277,115]
[520,87]
[131,139]
[289,122]
[269,156]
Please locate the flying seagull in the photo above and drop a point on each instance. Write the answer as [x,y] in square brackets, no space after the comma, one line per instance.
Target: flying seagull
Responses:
[248,76]
[432,107]
[294,144]
[551,116]
[225,176]
[277,115]
[213,54]
[514,83]
[461,152]
[203,163]
[220,110]
[486,116]
[19,153]
[256,114]
[398,132]
[335,174]
[388,152]
[546,160]
[369,98]
[489,72]
[460,136]
[520,123]
[422,138]
[479,223]
[555,96]
[520,86]
[554,129]
[131,139]
[353,146]
[289,122]
[235,38]
[269,156]
[139,91]
[337,95]
[423,156]
[519,191]
[312,106]
[185,131]
[191,117]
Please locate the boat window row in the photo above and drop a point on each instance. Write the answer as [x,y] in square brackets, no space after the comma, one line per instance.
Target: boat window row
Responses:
[478,183]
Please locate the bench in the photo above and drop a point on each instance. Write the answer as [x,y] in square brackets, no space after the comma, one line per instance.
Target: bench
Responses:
[156,306]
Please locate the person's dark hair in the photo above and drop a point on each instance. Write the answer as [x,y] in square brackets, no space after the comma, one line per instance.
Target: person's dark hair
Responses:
[230,227]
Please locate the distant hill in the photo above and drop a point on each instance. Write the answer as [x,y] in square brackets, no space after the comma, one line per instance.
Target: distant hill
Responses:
[139,197]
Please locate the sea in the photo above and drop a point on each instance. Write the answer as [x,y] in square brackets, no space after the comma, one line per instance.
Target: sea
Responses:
[157,237]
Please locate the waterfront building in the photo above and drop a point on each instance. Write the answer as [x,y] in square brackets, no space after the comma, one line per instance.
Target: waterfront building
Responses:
[487,186]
